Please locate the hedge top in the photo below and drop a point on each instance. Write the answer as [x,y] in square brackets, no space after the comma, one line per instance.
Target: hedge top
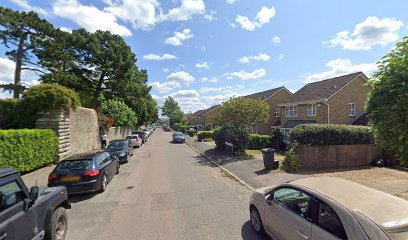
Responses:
[329,134]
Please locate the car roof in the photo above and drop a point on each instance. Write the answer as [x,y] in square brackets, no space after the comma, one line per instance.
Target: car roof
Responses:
[7,172]
[378,206]
[85,155]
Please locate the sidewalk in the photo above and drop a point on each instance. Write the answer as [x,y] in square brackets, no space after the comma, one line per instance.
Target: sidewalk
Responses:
[250,171]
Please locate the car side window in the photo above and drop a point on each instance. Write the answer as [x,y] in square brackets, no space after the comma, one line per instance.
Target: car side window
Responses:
[10,194]
[100,159]
[294,200]
[330,221]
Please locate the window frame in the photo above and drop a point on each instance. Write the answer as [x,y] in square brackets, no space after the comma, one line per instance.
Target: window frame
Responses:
[291,111]
[17,204]
[311,203]
[352,108]
[315,217]
[276,112]
[313,109]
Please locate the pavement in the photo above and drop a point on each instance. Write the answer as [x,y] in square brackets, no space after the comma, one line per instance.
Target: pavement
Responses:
[249,171]
[166,191]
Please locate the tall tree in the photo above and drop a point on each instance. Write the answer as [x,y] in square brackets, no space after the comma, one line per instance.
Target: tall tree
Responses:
[176,117]
[169,106]
[21,33]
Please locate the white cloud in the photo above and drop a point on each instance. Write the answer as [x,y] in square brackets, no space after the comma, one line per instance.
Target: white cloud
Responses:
[7,67]
[340,67]
[372,32]
[263,17]
[89,17]
[206,79]
[202,65]
[280,57]
[256,74]
[231,1]
[27,7]
[141,13]
[65,29]
[187,9]
[211,16]
[276,40]
[179,37]
[181,77]
[259,57]
[166,86]
[185,94]
[156,57]
[165,70]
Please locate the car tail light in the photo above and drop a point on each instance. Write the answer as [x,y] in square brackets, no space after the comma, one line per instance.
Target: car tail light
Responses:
[52,176]
[92,173]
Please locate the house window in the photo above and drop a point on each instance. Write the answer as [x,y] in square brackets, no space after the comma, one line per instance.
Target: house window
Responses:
[352,109]
[311,110]
[291,111]
[276,112]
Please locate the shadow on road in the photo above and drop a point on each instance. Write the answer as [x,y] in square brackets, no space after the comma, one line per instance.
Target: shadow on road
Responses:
[80,197]
[248,233]
[203,162]
[263,172]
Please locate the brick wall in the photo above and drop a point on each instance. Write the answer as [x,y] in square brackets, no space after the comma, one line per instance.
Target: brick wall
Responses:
[321,114]
[337,156]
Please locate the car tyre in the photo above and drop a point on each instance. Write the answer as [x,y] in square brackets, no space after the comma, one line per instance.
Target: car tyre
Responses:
[256,221]
[103,183]
[57,226]
[117,168]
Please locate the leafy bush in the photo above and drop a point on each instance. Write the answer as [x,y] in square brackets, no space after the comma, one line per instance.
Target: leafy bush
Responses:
[120,112]
[257,142]
[327,134]
[191,132]
[238,137]
[15,114]
[204,134]
[51,96]
[180,127]
[291,162]
[26,150]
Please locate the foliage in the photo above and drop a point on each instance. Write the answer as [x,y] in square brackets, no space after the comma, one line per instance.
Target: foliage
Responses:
[21,33]
[120,112]
[257,142]
[26,150]
[291,162]
[242,113]
[204,134]
[51,96]
[329,134]
[176,117]
[180,127]
[170,105]
[238,137]
[15,114]
[387,106]
[191,132]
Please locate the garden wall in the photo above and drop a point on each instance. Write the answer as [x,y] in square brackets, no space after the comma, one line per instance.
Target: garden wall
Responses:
[337,156]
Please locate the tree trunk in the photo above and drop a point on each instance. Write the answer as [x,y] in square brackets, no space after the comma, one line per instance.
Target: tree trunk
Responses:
[17,71]
[98,91]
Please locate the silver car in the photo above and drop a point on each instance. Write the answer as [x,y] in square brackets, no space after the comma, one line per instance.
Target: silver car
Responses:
[325,208]
[135,140]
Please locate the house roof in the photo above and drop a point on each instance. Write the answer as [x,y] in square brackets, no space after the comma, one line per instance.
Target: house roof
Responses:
[265,94]
[321,89]
[208,110]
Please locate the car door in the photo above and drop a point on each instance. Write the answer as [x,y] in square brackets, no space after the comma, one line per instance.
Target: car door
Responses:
[16,222]
[110,167]
[130,148]
[288,214]
[327,224]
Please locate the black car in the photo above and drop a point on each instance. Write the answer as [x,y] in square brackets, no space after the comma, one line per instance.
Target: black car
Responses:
[178,137]
[31,214]
[122,149]
[82,173]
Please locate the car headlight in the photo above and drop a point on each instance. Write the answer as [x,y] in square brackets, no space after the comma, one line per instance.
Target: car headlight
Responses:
[122,155]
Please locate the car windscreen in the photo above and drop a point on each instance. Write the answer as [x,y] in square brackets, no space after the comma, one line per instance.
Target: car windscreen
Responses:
[117,145]
[74,165]
[133,137]
[179,134]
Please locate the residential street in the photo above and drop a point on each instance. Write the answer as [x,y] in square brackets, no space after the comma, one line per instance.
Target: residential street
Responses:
[166,191]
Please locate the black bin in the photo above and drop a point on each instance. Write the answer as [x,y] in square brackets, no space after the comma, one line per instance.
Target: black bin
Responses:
[269,158]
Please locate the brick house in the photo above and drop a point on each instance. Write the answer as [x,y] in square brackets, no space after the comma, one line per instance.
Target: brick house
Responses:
[339,100]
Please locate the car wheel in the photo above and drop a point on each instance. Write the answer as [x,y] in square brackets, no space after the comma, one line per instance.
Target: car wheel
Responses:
[58,225]
[117,168]
[256,221]
[103,183]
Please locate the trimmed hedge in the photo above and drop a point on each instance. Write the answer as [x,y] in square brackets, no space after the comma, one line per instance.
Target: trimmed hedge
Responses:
[329,134]
[27,149]
[205,134]
[257,142]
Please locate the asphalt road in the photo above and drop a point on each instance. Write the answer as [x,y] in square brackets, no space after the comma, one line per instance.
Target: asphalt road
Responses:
[166,191]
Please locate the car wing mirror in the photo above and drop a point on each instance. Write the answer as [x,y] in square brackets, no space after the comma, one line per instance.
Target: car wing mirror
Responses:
[34,191]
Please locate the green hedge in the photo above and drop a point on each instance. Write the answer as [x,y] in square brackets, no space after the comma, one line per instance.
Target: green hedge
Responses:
[205,134]
[328,134]
[257,142]
[25,150]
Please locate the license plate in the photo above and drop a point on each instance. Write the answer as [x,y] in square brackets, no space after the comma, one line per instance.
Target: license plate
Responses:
[71,179]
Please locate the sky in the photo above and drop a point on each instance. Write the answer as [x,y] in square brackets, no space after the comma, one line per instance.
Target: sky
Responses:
[204,52]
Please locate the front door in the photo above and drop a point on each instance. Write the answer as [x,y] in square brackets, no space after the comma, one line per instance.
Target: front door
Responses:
[15,221]
[288,216]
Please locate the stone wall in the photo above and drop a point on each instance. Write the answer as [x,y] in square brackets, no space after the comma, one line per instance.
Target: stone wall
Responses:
[337,156]
[119,132]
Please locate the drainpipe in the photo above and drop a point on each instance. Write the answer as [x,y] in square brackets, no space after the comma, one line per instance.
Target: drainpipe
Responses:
[328,111]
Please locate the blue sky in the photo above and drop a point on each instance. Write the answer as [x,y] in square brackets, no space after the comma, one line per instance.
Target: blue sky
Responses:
[203,52]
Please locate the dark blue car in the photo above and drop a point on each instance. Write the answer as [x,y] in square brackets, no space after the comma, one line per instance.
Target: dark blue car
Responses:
[82,173]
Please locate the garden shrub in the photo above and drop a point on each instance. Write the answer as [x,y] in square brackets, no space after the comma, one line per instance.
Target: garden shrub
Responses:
[257,142]
[328,134]
[291,162]
[27,149]
[180,127]
[204,134]
[238,137]
[191,132]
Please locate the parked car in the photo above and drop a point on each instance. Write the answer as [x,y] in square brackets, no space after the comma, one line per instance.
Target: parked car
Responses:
[147,132]
[325,208]
[178,137]
[35,214]
[166,129]
[142,135]
[122,149]
[135,140]
[87,172]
